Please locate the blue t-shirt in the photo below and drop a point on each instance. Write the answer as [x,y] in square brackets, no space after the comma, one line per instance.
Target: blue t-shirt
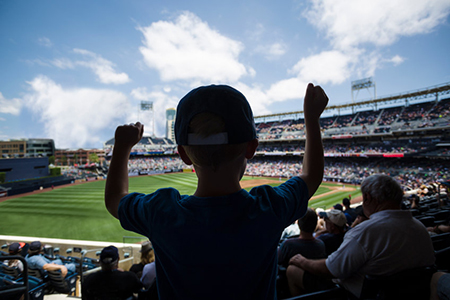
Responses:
[216,247]
[38,261]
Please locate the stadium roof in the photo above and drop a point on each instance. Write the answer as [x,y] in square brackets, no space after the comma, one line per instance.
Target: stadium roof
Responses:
[406,97]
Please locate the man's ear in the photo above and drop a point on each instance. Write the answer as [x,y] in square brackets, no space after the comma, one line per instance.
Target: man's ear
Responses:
[251,148]
[184,157]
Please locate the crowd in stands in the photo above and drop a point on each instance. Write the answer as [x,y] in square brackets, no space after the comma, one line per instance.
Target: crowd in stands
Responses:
[417,116]
[411,173]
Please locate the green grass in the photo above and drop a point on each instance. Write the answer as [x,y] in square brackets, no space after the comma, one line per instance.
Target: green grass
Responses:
[78,212]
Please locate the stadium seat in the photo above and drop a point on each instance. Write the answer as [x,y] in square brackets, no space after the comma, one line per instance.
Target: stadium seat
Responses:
[336,293]
[441,241]
[65,285]
[428,221]
[14,272]
[443,259]
[408,284]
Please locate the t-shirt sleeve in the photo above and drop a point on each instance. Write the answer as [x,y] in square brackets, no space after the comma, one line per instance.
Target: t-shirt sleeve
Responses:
[138,212]
[289,200]
[348,259]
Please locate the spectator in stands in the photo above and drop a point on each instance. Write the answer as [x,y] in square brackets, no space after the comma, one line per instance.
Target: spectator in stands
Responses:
[360,217]
[148,275]
[110,282]
[147,256]
[391,241]
[349,212]
[36,260]
[211,240]
[14,249]
[335,226]
[305,244]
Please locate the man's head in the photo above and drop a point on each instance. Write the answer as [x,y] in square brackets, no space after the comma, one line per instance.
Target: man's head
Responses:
[35,248]
[213,125]
[14,248]
[308,222]
[334,220]
[346,202]
[109,258]
[380,192]
[338,207]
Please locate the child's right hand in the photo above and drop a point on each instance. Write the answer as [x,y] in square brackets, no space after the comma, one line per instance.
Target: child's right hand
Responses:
[129,135]
[315,101]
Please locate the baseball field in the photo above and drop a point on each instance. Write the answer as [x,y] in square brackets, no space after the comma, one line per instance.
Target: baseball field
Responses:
[77,211]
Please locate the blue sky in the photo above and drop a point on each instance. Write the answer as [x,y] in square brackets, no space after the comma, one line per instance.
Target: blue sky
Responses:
[74,70]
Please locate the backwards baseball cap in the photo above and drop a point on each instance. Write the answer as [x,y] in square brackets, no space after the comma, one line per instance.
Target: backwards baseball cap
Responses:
[221,100]
[109,255]
[335,216]
[36,245]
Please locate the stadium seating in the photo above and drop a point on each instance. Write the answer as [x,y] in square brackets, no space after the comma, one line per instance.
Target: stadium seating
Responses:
[408,284]
[441,241]
[14,285]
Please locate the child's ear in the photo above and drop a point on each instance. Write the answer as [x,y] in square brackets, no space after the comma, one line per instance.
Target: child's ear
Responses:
[184,157]
[251,148]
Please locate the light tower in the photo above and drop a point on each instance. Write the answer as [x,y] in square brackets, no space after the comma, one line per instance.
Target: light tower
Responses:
[148,106]
[365,83]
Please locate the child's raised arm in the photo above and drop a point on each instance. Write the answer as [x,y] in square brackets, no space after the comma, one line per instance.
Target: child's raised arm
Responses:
[116,188]
[315,102]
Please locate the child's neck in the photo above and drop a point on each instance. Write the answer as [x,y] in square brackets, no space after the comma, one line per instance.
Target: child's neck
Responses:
[220,183]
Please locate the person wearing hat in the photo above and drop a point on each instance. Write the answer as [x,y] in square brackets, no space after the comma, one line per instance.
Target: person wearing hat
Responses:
[391,241]
[110,282]
[147,256]
[335,226]
[36,260]
[14,249]
[222,235]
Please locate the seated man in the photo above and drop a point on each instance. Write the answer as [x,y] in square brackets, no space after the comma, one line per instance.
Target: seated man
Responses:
[110,283]
[349,212]
[335,225]
[389,242]
[305,244]
[36,260]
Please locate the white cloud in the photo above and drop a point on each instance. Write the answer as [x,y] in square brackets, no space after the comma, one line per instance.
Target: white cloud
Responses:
[325,67]
[273,51]
[188,49]
[10,106]
[396,60]
[63,63]
[352,23]
[103,68]
[43,41]
[75,117]
[355,26]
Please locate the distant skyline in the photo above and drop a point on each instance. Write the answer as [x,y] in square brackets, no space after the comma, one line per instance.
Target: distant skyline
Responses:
[74,71]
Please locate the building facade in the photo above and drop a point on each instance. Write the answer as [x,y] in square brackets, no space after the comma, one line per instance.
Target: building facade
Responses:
[26,148]
[79,157]
[170,123]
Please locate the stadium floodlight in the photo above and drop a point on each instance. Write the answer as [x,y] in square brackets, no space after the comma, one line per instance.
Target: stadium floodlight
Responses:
[365,83]
[146,105]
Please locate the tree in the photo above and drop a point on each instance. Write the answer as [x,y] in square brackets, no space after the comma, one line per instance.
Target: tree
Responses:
[93,157]
[64,160]
[51,160]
